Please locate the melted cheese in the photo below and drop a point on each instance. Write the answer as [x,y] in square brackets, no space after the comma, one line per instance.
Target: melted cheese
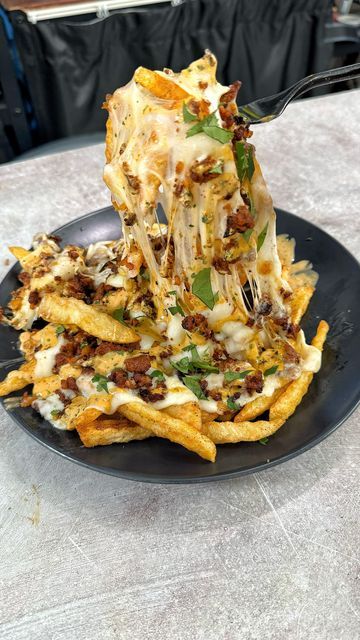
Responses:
[45,359]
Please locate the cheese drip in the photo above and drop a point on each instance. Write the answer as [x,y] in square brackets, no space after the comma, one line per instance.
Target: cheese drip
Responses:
[151,162]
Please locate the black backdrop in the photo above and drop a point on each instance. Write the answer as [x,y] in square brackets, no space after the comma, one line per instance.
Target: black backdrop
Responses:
[70,64]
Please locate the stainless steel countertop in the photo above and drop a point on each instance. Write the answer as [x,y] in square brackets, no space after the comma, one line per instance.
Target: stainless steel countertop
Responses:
[274,555]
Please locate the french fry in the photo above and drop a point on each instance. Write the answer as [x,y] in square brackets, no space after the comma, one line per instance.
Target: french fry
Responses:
[172,429]
[54,308]
[189,412]
[158,85]
[288,401]
[300,300]
[256,407]
[46,386]
[104,431]
[18,379]
[207,417]
[232,432]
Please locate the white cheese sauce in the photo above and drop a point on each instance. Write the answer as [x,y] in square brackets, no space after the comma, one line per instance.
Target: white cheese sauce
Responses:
[45,359]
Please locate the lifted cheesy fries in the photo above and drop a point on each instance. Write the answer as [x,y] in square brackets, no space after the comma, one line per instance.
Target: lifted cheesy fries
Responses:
[187,330]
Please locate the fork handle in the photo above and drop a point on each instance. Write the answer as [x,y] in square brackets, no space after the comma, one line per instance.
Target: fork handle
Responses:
[325,77]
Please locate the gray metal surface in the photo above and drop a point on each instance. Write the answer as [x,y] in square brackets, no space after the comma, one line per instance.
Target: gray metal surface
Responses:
[272,556]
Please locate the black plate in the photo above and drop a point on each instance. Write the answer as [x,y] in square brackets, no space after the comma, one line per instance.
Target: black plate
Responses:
[333,395]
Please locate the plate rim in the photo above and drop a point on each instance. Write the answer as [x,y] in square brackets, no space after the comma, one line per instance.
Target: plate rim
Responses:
[135,476]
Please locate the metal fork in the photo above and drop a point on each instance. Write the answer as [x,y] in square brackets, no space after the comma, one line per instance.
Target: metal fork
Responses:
[267,109]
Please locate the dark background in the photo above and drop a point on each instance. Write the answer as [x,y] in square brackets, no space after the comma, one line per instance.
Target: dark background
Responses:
[55,74]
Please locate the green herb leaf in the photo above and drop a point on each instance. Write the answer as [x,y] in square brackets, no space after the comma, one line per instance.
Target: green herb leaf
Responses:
[202,288]
[229,376]
[219,134]
[244,161]
[210,127]
[83,344]
[251,166]
[187,115]
[204,366]
[194,352]
[193,131]
[247,234]
[181,365]
[263,440]
[262,236]
[218,168]
[101,382]
[157,374]
[119,315]
[232,404]
[176,308]
[55,413]
[193,384]
[272,370]
[59,329]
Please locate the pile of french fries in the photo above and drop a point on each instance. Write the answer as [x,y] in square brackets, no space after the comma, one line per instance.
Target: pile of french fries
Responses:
[111,317]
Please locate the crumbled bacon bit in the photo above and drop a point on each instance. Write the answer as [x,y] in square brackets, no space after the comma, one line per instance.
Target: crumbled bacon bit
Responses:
[142,380]
[138,364]
[60,360]
[179,167]
[290,355]
[24,277]
[129,218]
[203,85]
[239,221]
[292,330]
[79,286]
[119,377]
[190,323]
[221,265]
[230,95]
[88,370]
[226,116]
[200,170]
[101,290]
[166,353]
[63,397]
[105,347]
[254,382]
[215,395]
[149,396]
[133,181]
[199,323]
[34,299]
[73,254]
[69,383]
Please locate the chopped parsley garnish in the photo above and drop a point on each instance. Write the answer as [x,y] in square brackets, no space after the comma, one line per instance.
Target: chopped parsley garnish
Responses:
[101,382]
[157,374]
[232,404]
[202,288]
[193,384]
[244,161]
[262,236]
[185,365]
[272,370]
[263,441]
[176,308]
[83,344]
[187,115]
[119,315]
[55,413]
[59,329]
[210,127]
[218,168]
[247,234]
[181,365]
[230,376]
